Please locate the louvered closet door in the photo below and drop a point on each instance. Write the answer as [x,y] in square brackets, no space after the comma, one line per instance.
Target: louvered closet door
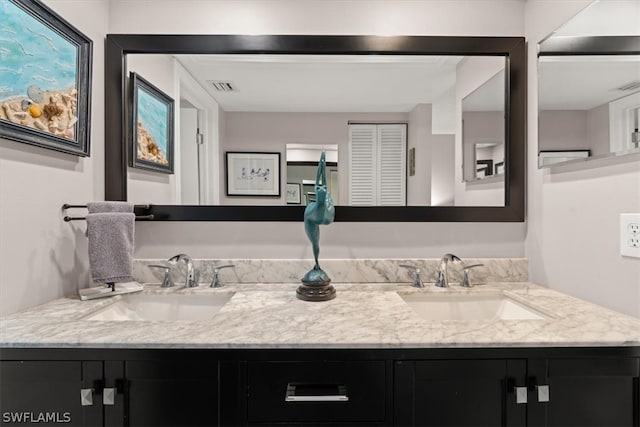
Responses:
[391,165]
[362,165]
[377,165]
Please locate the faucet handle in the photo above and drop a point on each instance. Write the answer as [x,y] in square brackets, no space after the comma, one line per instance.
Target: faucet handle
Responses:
[215,282]
[167,281]
[417,281]
[465,278]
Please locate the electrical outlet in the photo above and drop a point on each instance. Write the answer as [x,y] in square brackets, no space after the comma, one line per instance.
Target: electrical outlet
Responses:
[630,235]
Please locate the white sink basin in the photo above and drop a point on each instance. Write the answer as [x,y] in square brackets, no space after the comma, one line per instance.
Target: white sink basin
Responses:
[149,307]
[470,307]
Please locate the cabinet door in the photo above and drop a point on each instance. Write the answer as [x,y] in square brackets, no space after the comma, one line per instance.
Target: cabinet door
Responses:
[584,392]
[51,392]
[163,393]
[459,393]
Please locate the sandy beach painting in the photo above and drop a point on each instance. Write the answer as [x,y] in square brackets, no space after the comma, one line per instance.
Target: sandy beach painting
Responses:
[44,78]
[152,126]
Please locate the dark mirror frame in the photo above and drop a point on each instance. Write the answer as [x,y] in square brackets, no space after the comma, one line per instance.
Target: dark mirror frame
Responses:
[118,46]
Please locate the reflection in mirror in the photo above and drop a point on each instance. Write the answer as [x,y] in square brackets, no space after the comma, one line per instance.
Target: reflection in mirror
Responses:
[589,85]
[588,105]
[302,165]
[367,110]
[483,130]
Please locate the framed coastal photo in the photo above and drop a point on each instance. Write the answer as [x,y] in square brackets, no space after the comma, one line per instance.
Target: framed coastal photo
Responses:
[253,174]
[45,79]
[151,126]
[293,193]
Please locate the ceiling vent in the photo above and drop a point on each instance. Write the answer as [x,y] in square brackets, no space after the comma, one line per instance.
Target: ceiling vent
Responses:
[630,86]
[223,86]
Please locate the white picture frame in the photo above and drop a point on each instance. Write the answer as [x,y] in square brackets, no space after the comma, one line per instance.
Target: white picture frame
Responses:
[252,174]
[293,194]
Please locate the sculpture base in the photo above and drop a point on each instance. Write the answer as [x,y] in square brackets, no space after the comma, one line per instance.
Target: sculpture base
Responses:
[316,291]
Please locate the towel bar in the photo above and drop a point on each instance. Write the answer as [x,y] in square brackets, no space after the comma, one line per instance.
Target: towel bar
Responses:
[82,218]
[68,206]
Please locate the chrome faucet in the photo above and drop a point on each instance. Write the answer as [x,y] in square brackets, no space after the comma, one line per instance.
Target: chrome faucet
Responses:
[191,278]
[443,275]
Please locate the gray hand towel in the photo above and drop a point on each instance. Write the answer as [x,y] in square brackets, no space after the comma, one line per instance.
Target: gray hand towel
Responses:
[97,207]
[111,238]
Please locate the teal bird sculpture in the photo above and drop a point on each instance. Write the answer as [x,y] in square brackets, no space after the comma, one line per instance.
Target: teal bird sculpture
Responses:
[316,213]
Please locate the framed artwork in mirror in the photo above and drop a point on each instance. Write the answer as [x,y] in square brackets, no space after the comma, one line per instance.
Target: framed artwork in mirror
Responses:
[550,157]
[484,168]
[253,174]
[293,194]
[45,81]
[499,168]
[151,127]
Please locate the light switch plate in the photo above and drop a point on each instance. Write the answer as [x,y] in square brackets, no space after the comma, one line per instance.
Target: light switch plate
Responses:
[630,235]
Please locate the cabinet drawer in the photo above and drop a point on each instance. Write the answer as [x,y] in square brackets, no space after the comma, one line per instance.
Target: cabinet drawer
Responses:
[316,392]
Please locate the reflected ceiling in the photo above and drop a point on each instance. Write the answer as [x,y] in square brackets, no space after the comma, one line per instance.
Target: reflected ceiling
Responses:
[341,83]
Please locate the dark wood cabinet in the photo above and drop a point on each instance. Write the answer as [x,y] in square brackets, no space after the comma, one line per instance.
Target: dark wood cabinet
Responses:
[260,387]
[51,392]
[162,393]
[459,393]
[116,393]
[579,392]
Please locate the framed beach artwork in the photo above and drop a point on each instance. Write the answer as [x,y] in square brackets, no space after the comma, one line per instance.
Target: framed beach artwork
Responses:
[45,78]
[151,126]
[253,174]
[293,193]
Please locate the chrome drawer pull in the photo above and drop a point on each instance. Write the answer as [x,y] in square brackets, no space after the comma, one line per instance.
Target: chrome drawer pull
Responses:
[316,393]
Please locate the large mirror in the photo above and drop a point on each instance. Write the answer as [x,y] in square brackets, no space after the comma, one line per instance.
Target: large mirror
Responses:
[387,110]
[589,85]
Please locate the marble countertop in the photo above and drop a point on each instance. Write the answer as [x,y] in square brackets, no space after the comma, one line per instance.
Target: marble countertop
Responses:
[362,316]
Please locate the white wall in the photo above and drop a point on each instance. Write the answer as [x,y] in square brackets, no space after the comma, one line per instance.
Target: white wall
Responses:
[42,257]
[419,137]
[575,130]
[572,238]
[442,176]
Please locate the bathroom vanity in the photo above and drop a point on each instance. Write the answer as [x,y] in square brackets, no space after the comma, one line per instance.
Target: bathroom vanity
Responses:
[372,356]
